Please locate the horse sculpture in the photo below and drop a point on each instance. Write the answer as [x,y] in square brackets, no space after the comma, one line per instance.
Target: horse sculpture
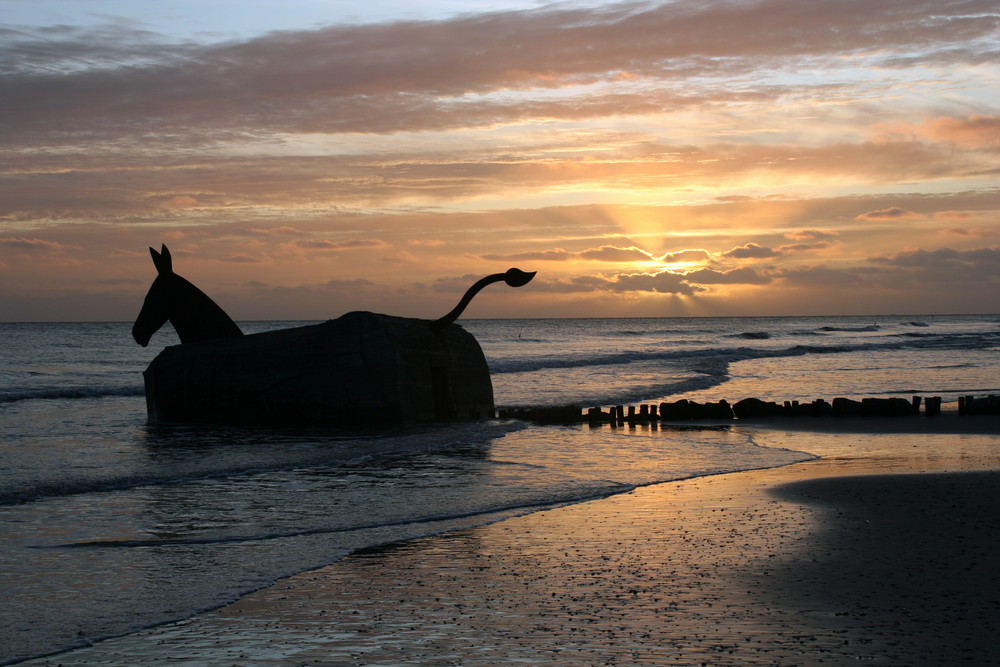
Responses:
[193,314]
[362,367]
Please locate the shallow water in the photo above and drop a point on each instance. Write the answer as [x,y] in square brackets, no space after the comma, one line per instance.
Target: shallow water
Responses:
[108,523]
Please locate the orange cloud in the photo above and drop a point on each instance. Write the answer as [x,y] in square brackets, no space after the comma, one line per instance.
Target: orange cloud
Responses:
[351,244]
[810,235]
[803,247]
[977,232]
[891,213]
[953,215]
[606,253]
[612,135]
[978,131]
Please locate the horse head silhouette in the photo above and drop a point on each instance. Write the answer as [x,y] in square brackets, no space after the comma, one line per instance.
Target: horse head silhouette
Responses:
[171,298]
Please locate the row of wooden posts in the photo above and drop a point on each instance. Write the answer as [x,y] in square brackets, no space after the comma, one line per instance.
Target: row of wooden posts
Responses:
[754,408]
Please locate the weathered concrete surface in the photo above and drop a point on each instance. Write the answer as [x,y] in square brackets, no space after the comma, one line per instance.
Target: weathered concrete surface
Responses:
[360,368]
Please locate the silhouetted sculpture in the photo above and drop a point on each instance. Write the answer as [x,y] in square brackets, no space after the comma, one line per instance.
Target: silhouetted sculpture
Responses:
[171,298]
[513,277]
[360,368]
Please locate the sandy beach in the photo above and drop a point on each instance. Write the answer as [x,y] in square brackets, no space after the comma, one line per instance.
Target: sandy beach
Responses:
[885,550]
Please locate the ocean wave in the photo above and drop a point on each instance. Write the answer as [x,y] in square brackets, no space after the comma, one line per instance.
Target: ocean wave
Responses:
[755,335]
[602,490]
[693,357]
[192,453]
[606,359]
[870,327]
[52,393]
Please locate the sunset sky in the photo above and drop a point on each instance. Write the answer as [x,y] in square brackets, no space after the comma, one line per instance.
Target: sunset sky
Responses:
[304,158]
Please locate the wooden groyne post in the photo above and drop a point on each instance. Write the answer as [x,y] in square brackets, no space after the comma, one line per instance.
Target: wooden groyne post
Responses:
[754,408]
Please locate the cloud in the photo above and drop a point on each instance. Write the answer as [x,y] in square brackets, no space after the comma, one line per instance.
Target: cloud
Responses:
[564,134]
[439,74]
[975,232]
[977,131]
[803,247]
[326,244]
[986,259]
[34,244]
[954,215]
[243,258]
[609,253]
[664,282]
[744,276]
[891,213]
[810,235]
[605,253]
[945,271]
[402,257]
[282,230]
[832,278]
[751,251]
[691,255]
[554,255]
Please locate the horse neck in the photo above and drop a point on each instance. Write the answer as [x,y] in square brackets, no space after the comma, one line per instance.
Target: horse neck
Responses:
[195,317]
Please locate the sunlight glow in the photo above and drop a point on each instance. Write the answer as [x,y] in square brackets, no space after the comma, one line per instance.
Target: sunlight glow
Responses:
[663,158]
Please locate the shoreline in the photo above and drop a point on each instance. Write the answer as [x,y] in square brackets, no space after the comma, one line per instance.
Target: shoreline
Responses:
[884,549]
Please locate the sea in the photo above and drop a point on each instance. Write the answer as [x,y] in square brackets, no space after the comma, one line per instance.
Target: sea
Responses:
[110,524]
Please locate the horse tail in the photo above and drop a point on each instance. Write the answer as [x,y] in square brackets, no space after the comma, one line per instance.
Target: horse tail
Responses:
[513,277]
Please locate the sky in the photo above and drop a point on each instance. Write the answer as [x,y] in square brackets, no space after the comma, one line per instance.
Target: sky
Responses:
[305,158]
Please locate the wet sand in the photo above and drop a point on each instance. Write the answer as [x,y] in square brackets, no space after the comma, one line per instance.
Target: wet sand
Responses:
[884,551]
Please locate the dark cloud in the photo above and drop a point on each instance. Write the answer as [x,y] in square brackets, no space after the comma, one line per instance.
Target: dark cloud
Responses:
[831,277]
[977,264]
[664,282]
[962,272]
[694,255]
[751,251]
[744,276]
[74,84]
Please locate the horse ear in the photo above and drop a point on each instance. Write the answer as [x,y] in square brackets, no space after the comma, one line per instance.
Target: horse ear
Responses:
[162,260]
